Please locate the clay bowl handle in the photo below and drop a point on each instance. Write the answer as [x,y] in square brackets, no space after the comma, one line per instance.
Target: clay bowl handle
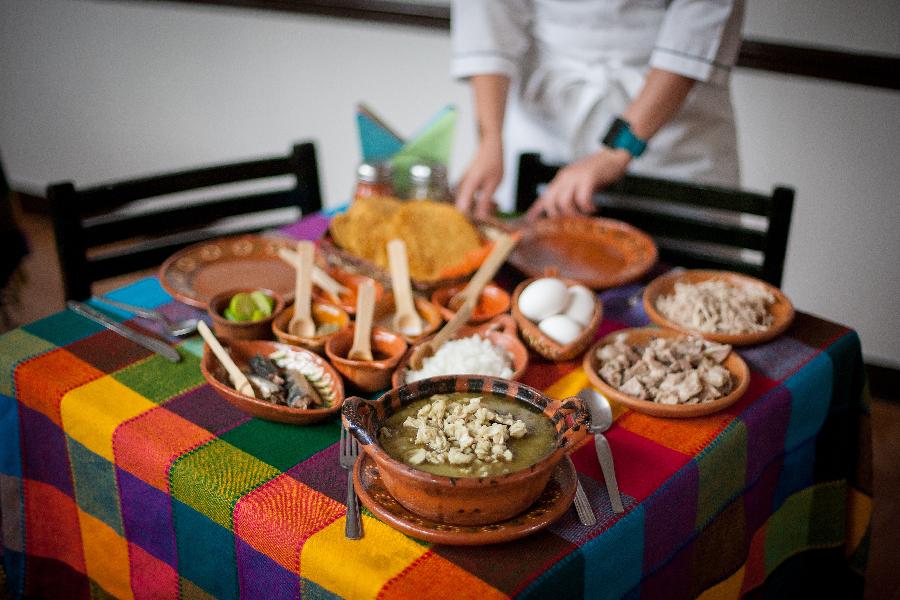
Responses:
[359,413]
[577,420]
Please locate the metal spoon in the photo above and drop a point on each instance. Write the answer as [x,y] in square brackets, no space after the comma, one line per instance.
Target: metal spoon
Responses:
[601,420]
[173,328]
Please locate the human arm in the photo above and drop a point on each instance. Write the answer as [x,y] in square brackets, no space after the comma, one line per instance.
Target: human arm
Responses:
[572,189]
[698,41]
[477,186]
[489,40]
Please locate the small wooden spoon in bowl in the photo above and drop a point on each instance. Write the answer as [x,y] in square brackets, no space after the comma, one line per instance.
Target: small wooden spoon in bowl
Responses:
[406,320]
[302,323]
[362,331]
[319,277]
[426,349]
[502,247]
[238,379]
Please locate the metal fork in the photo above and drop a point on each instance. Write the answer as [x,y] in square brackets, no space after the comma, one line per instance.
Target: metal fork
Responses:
[349,451]
[583,506]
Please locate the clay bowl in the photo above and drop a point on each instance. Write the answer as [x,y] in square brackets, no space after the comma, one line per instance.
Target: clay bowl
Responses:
[464,500]
[330,387]
[640,336]
[322,312]
[493,301]
[368,375]
[501,331]
[242,330]
[352,281]
[430,313]
[543,345]
[782,310]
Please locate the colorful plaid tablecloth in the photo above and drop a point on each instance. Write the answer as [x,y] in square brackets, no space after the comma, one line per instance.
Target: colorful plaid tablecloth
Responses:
[125,475]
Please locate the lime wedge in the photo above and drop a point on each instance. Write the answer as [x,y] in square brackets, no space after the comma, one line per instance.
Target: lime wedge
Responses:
[242,307]
[259,315]
[228,314]
[263,302]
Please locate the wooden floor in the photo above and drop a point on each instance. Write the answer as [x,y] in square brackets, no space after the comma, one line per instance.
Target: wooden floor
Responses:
[42,295]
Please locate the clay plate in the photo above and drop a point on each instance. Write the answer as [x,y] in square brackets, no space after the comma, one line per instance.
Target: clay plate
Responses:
[600,253]
[195,274]
[642,335]
[241,352]
[501,331]
[555,500]
[782,310]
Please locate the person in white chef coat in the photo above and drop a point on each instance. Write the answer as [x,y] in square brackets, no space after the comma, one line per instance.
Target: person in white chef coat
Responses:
[603,86]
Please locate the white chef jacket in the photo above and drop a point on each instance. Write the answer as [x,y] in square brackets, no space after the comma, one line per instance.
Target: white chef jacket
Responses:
[574,65]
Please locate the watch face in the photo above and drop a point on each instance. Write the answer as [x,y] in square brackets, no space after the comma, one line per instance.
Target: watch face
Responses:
[612,135]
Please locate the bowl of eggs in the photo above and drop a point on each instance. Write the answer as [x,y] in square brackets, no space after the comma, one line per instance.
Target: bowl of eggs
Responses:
[557,317]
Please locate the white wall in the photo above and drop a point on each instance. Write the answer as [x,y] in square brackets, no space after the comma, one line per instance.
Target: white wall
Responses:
[94,90]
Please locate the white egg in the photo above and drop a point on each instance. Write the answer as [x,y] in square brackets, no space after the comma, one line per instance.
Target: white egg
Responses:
[560,328]
[542,298]
[580,306]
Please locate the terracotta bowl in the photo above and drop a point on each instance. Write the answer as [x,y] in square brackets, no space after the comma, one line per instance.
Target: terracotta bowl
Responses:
[543,345]
[782,310]
[640,336]
[242,351]
[430,313]
[352,281]
[493,301]
[368,375]
[464,500]
[501,331]
[322,312]
[242,330]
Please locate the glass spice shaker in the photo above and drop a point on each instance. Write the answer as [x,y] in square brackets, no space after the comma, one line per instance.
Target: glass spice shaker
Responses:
[428,181]
[374,179]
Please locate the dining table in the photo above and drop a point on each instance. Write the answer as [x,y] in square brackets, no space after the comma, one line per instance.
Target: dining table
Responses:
[125,475]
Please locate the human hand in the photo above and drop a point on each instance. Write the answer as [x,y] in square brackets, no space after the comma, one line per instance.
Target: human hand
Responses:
[571,190]
[477,187]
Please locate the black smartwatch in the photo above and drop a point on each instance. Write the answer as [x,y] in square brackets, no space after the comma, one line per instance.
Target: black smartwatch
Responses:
[621,136]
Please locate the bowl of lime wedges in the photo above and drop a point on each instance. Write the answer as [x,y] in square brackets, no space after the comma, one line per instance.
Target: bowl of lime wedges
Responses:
[245,313]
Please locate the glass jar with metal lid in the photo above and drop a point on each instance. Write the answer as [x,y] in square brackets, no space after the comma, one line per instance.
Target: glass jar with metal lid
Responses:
[428,181]
[374,179]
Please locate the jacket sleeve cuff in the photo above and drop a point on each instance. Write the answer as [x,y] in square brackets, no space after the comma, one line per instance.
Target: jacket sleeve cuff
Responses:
[463,66]
[693,67]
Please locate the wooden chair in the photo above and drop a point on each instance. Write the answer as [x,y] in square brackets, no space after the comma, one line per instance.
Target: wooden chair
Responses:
[694,225]
[127,226]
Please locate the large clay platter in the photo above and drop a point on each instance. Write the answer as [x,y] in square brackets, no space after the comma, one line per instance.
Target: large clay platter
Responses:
[550,506]
[195,274]
[641,336]
[601,253]
[782,310]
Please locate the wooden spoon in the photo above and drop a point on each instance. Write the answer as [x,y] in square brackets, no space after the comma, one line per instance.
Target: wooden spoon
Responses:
[426,349]
[362,330]
[502,247]
[406,320]
[320,277]
[302,323]
[238,379]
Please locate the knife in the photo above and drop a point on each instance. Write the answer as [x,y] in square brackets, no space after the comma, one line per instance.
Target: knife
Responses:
[146,341]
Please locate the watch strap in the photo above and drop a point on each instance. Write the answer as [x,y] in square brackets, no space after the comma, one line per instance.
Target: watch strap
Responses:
[621,136]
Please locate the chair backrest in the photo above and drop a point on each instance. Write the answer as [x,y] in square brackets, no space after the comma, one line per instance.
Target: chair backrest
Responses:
[694,225]
[127,226]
